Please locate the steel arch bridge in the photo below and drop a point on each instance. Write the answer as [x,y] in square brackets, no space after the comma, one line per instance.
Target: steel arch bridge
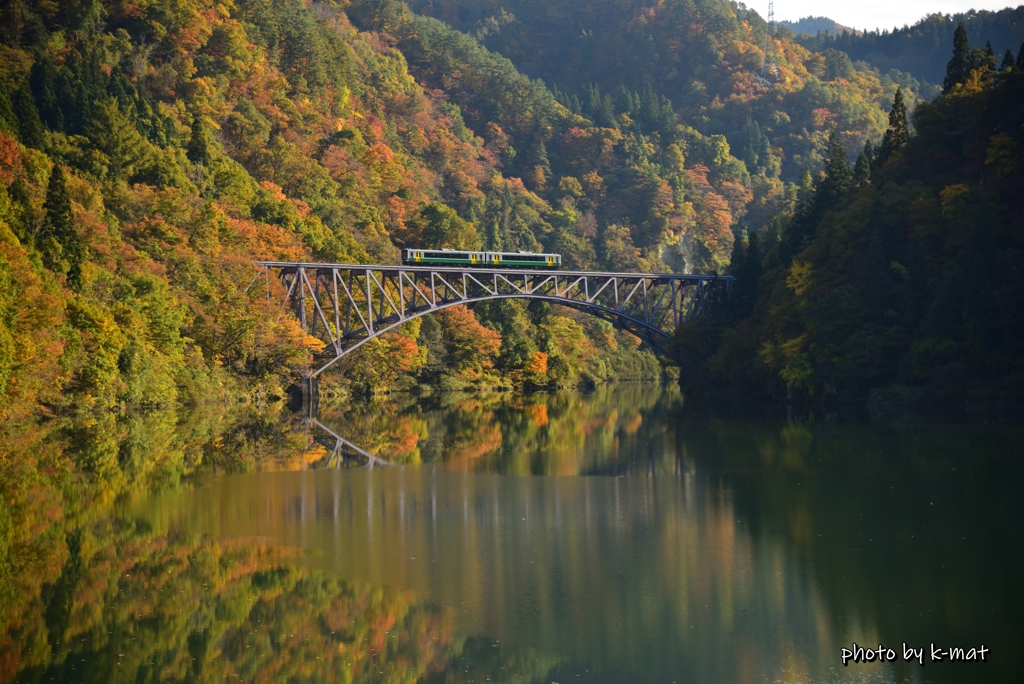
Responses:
[347,305]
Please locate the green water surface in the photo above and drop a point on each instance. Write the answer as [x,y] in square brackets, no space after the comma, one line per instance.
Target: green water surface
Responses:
[616,536]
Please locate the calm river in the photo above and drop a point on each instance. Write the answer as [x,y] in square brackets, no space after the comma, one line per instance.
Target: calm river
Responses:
[616,536]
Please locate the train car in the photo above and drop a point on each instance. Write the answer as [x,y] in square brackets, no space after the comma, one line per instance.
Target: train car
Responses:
[453,257]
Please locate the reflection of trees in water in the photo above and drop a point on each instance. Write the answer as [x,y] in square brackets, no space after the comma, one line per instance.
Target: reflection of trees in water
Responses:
[559,433]
[61,476]
[608,572]
[87,594]
[81,584]
[145,607]
[912,531]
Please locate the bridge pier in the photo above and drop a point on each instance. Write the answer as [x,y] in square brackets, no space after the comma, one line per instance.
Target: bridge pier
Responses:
[304,396]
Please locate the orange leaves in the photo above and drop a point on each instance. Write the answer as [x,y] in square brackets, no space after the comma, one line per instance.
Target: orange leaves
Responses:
[266,241]
[10,158]
[710,238]
[379,153]
[472,345]
[407,355]
[738,196]
[538,364]
[343,166]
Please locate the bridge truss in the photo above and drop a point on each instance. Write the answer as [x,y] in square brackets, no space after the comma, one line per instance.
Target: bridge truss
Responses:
[346,305]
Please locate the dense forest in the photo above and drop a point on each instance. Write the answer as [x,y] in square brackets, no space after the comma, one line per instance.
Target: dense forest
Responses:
[703,58]
[923,48]
[899,275]
[148,155]
[151,151]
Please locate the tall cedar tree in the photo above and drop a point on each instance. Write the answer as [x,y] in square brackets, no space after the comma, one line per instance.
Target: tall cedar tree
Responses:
[29,124]
[8,119]
[862,170]
[838,176]
[829,191]
[745,292]
[198,145]
[58,240]
[898,133]
[959,67]
[1007,60]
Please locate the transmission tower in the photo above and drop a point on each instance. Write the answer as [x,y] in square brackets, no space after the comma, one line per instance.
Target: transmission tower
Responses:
[764,54]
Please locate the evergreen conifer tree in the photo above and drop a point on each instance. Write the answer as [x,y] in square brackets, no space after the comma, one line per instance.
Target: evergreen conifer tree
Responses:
[599,108]
[737,258]
[624,102]
[751,275]
[540,168]
[756,149]
[25,216]
[838,177]
[29,125]
[898,133]
[606,115]
[198,145]
[1007,60]
[869,151]
[593,101]
[58,240]
[650,110]
[959,66]
[43,81]
[862,170]
[1020,57]
[806,185]
[8,120]
[540,157]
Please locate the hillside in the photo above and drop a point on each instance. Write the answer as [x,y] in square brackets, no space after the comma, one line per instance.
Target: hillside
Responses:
[922,49]
[704,58]
[897,278]
[149,155]
[814,25]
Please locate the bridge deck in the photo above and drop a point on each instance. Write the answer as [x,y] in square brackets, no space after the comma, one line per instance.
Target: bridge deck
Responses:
[316,265]
[347,305]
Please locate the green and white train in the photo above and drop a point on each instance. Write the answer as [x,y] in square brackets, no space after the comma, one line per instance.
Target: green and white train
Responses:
[453,257]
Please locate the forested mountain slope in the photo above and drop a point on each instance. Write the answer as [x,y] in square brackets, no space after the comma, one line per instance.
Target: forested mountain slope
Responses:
[901,277]
[151,152]
[923,48]
[704,57]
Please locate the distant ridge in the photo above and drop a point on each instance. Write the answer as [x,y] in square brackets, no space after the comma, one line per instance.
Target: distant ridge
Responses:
[924,48]
[813,25]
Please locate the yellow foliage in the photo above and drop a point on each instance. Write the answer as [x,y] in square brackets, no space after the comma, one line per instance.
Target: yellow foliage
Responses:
[799,279]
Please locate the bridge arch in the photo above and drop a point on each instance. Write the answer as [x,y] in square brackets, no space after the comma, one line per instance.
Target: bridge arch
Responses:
[346,305]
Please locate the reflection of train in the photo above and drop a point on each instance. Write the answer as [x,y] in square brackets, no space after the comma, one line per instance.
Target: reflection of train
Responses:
[453,257]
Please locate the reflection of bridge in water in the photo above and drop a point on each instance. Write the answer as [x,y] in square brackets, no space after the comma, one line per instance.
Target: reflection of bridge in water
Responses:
[343,453]
[346,305]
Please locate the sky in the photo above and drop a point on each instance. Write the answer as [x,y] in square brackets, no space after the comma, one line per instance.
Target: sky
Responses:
[872,14]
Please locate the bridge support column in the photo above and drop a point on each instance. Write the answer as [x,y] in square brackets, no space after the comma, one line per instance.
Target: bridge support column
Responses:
[307,394]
